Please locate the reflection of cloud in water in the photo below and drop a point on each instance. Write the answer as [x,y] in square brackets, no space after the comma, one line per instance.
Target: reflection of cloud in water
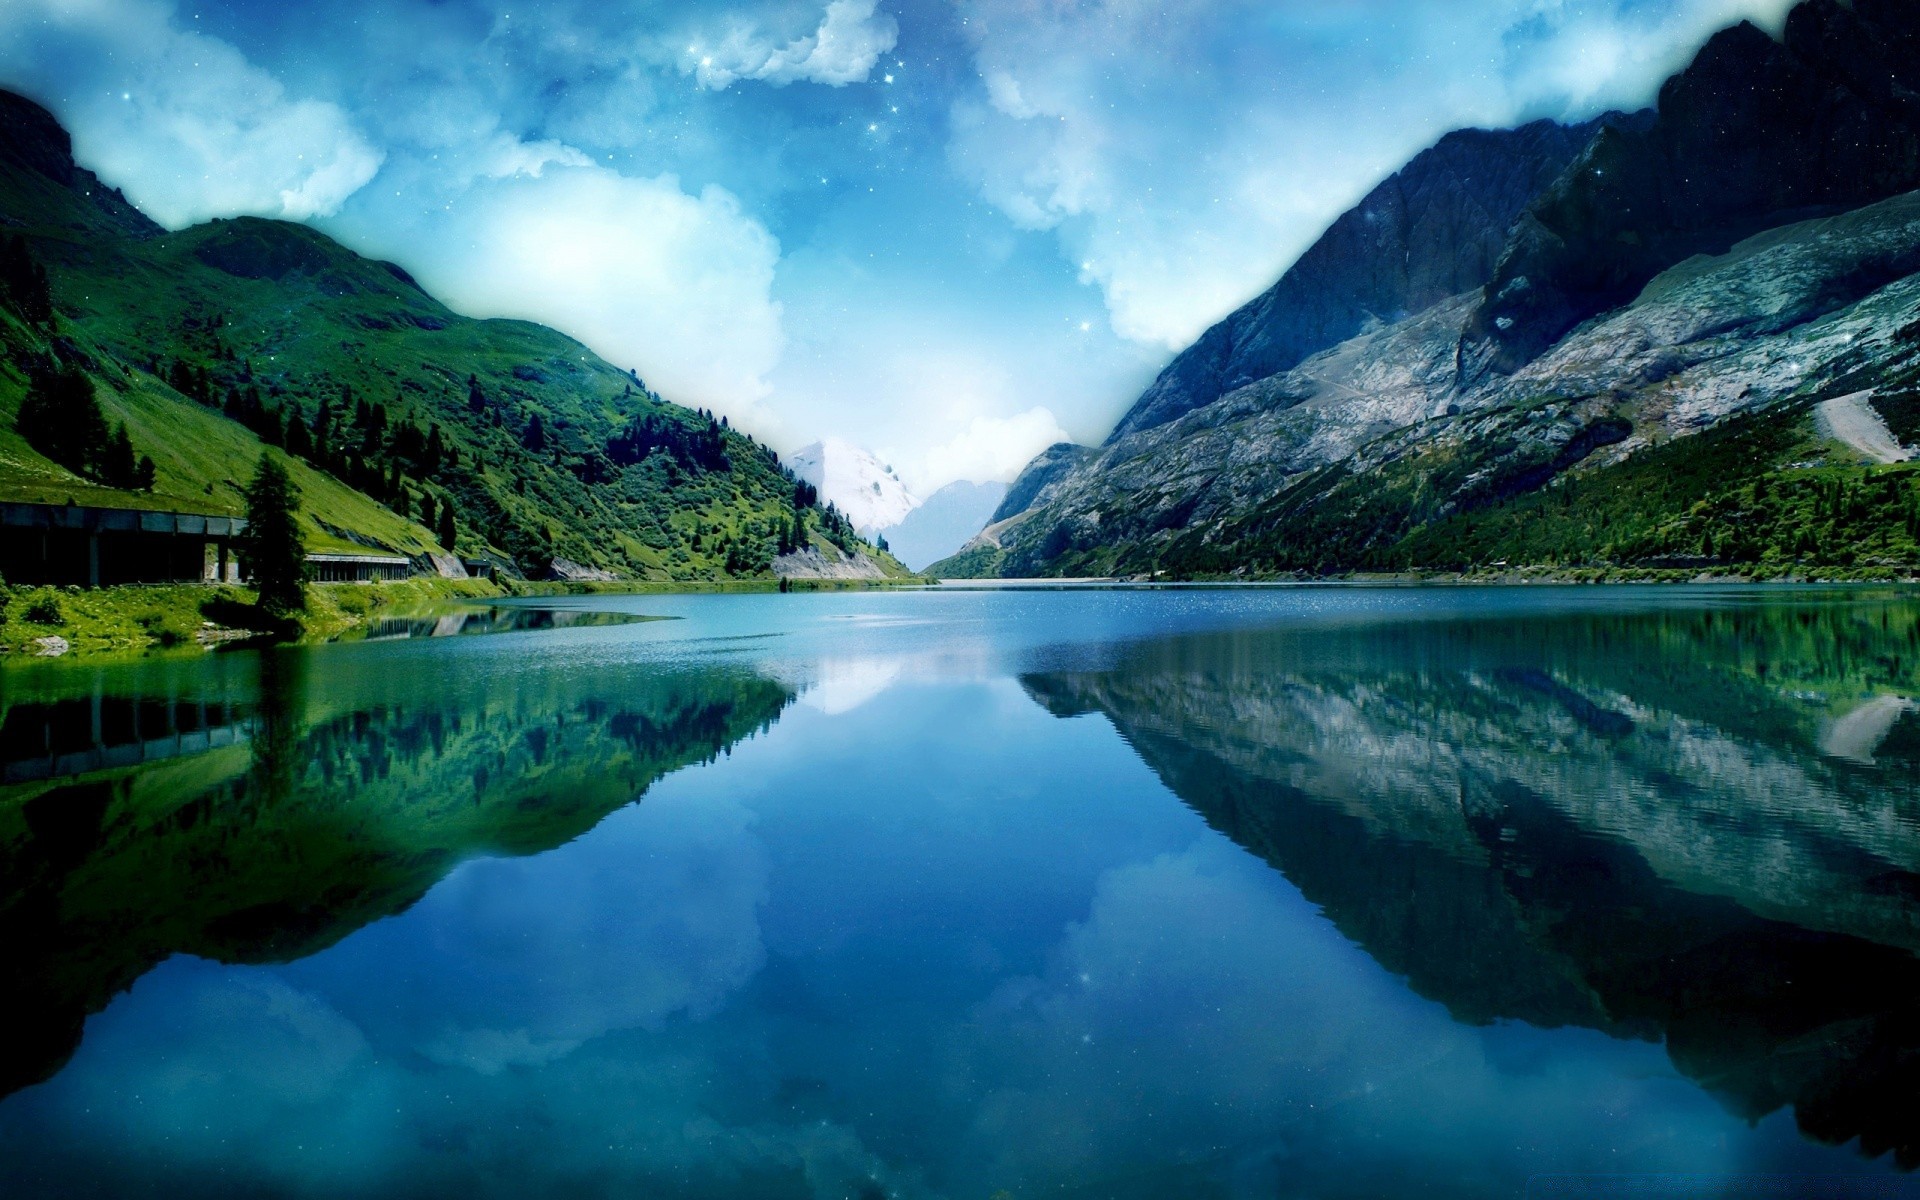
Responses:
[1203,1014]
[844,684]
[515,962]
[245,1085]
[228,1072]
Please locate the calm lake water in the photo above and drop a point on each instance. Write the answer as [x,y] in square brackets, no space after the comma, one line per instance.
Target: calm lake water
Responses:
[1122,893]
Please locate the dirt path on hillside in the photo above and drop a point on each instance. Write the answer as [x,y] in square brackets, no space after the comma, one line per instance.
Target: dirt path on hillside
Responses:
[1851,419]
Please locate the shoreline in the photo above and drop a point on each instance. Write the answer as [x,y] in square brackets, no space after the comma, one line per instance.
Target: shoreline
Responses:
[137,620]
[1516,577]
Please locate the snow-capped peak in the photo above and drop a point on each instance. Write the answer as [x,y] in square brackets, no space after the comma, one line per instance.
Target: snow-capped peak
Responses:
[858,484]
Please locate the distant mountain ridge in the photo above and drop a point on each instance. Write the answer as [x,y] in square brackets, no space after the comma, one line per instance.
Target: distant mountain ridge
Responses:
[1725,265]
[944,522]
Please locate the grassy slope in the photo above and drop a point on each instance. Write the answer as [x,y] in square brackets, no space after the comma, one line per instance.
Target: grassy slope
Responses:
[1761,495]
[304,319]
[203,459]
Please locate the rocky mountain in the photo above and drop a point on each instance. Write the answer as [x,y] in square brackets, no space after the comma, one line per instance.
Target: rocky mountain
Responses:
[215,344]
[944,522]
[1725,267]
[1436,228]
[1753,135]
[864,489]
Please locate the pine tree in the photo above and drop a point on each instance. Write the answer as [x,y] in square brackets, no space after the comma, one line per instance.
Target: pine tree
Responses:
[298,441]
[271,547]
[23,283]
[61,418]
[447,531]
[118,467]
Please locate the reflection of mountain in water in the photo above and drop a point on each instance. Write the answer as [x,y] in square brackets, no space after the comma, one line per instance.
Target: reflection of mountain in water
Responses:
[1625,823]
[467,622]
[326,797]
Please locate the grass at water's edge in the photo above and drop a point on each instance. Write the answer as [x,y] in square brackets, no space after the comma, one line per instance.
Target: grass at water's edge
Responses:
[187,618]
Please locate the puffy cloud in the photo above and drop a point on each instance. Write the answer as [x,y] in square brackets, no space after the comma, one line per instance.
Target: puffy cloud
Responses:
[182,121]
[852,36]
[992,448]
[643,272]
[1184,179]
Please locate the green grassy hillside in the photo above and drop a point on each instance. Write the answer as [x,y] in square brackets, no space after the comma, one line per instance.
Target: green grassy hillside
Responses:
[217,341]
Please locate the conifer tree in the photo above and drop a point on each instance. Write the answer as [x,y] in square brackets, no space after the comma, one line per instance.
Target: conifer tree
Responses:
[271,547]
[61,418]
[118,467]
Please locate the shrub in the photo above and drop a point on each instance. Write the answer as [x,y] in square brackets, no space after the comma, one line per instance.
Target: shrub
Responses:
[166,629]
[44,609]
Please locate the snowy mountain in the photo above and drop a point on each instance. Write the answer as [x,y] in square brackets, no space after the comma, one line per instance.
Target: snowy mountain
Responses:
[860,485]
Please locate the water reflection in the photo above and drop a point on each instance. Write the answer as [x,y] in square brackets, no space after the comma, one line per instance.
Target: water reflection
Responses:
[1453,899]
[468,622]
[1694,827]
[261,813]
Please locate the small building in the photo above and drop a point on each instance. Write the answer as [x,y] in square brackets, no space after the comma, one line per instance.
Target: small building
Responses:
[62,544]
[481,568]
[358,568]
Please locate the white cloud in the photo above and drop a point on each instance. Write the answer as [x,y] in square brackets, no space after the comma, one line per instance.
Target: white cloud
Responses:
[505,155]
[851,37]
[182,121]
[991,448]
[1186,180]
[644,273]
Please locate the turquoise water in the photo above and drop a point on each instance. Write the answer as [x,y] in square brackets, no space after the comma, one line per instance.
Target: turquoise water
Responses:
[1131,893]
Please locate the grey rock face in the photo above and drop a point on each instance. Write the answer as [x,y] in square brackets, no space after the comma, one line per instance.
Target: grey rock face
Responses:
[810,563]
[1782,314]
[1435,229]
[1754,134]
[1054,462]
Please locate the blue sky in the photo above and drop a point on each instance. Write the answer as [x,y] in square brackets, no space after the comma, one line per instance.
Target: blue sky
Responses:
[950,230]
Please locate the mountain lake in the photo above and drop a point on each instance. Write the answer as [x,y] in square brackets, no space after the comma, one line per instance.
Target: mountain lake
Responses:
[985,893]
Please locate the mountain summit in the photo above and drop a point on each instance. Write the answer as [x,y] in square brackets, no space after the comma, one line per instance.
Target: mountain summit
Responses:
[864,489]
